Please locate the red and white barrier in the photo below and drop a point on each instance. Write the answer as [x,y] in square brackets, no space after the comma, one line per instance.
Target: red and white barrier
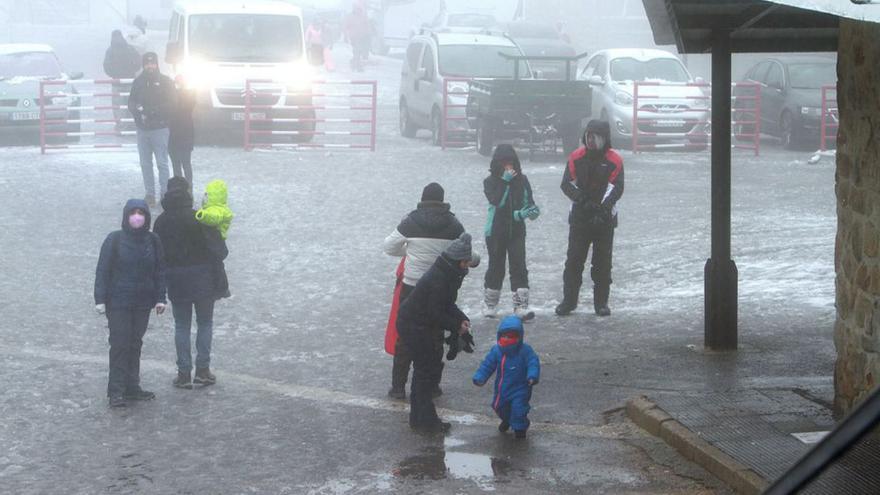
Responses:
[93,112]
[672,122]
[455,89]
[342,113]
[830,117]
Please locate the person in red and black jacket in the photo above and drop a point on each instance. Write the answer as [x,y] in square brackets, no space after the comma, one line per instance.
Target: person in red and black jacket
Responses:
[593,181]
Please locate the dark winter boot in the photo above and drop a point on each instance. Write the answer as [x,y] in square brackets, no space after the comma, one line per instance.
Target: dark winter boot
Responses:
[437,392]
[183,380]
[504,426]
[438,427]
[139,394]
[204,377]
[118,401]
[520,434]
[600,299]
[565,307]
[398,393]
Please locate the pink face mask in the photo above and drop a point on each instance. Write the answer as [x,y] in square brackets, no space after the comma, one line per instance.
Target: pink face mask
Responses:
[136,220]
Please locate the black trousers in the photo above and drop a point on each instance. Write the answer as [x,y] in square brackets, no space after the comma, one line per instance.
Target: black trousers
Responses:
[127,329]
[402,355]
[580,238]
[181,163]
[510,249]
[427,359]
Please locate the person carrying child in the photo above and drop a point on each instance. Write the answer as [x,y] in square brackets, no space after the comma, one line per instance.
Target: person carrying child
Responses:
[510,204]
[518,370]
[216,213]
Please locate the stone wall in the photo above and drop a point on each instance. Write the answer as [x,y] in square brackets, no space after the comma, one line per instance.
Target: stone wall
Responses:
[857,260]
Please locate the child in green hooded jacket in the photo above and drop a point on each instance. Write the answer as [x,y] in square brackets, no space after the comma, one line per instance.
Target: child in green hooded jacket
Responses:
[216,213]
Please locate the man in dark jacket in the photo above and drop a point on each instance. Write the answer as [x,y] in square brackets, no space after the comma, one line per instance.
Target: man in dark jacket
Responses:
[429,311]
[182,132]
[421,237]
[593,181]
[129,283]
[190,281]
[151,102]
[121,61]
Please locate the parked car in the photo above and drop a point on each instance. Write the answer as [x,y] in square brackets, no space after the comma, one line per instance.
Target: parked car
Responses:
[22,67]
[678,112]
[541,40]
[464,22]
[791,96]
[431,57]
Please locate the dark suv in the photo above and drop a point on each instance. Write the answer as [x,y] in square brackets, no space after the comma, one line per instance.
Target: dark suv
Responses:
[791,96]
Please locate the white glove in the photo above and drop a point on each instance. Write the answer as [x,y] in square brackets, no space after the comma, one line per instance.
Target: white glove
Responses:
[160,308]
[100,308]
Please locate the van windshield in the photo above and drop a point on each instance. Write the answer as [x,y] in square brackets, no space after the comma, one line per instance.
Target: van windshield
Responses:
[481,61]
[245,38]
[657,69]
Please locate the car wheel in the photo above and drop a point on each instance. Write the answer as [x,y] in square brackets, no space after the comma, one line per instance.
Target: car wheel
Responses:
[436,131]
[786,131]
[485,136]
[617,140]
[407,128]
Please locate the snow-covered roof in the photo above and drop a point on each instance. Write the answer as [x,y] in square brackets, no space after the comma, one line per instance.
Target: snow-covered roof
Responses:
[192,7]
[10,48]
[472,39]
[754,25]
[842,8]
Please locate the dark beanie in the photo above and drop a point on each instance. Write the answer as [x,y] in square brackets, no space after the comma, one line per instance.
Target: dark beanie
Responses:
[178,183]
[432,192]
[150,57]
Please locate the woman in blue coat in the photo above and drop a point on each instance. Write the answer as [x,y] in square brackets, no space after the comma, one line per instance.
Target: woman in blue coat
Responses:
[518,369]
[129,284]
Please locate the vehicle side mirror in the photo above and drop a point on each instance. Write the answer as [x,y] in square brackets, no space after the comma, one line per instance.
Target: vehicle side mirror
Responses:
[596,80]
[316,55]
[699,80]
[538,74]
[73,76]
[173,53]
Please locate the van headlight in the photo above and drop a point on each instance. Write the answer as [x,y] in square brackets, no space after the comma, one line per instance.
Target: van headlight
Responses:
[297,78]
[196,74]
[623,98]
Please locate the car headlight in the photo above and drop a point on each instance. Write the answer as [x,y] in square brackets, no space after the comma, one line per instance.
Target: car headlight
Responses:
[458,87]
[623,98]
[811,111]
[61,100]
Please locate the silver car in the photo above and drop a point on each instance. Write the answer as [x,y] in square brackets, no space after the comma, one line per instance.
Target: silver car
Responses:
[673,114]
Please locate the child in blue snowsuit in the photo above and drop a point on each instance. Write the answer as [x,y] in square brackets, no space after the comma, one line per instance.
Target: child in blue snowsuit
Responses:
[518,370]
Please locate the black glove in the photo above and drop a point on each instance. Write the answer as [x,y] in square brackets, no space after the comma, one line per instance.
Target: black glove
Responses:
[466,342]
[452,342]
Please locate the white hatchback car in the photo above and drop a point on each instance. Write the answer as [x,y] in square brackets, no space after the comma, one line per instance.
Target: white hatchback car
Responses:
[434,57]
[677,112]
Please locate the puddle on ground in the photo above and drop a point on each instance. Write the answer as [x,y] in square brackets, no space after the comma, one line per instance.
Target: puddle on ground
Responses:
[439,463]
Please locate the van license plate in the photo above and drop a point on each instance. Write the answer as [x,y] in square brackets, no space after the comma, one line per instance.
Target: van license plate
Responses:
[25,115]
[254,115]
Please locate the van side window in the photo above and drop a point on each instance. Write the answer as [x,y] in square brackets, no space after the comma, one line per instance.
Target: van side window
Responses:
[600,67]
[412,56]
[428,63]
[172,30]
[181,32]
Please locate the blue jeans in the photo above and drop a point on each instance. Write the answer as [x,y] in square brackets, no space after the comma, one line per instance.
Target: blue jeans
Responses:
[205,326]
[153,142]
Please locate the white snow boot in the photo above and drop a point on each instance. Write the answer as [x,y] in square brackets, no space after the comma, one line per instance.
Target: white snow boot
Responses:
[521,304]
[490,302]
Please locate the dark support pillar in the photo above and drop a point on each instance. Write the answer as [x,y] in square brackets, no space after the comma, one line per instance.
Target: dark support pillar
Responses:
[720,271]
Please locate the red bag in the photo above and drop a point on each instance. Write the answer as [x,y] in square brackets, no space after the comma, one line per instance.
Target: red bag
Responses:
[391,328]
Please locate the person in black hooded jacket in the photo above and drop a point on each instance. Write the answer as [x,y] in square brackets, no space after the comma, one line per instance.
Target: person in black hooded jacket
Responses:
[421,236]
[424,316]
[181,132]
[121,61]
[510,204]
[129,283]
[593,181]
[190,259]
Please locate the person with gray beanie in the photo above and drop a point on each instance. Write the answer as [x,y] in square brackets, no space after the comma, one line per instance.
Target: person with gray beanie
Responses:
[424,316]
[420,238]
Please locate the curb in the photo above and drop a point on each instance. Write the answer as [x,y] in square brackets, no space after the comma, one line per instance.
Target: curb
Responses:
[657,422]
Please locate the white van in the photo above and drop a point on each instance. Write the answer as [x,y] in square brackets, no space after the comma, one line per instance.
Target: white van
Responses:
[216,45]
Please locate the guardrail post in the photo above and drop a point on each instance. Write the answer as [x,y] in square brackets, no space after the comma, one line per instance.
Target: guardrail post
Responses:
[373,119]
[42,117]
[247,115]
[445,114]
[757,136]
[635,128]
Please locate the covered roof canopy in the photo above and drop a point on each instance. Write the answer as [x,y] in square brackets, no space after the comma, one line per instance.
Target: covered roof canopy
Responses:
[754,25]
